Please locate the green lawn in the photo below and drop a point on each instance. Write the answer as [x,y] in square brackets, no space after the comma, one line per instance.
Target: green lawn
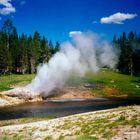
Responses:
[123,83]
[8,81]
[108,81]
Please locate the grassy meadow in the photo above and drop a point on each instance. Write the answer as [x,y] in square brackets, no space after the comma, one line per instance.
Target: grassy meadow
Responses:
[114,83]
[9,81]
[107,83]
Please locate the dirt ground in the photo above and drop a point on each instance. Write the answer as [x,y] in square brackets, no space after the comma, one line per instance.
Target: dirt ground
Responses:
[19,95]
[72,93]
[88,91]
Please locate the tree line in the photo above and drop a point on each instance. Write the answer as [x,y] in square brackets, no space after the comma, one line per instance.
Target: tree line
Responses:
[21,53]
[129,60]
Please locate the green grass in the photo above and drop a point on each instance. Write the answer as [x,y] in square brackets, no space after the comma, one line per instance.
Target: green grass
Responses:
[105,126]
[129,85]
[15,138]
[6,82]
[124,84]
[24,120]
[86,138]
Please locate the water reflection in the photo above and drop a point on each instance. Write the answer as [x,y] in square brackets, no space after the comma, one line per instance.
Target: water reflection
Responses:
[62,108]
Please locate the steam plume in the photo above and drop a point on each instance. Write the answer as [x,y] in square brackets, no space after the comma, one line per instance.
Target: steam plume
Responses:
[86,52]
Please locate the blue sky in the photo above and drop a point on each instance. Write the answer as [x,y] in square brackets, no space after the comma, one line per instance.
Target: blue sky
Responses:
[56,18]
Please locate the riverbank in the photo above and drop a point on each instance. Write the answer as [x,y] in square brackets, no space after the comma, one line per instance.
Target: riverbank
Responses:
[20,96]
[119,123]
[10,100]
[105,83]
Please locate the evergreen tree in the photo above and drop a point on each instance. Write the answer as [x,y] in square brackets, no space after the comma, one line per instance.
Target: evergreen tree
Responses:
[57,47]
[14,51]
[30,55]
[36,49]
[129,61]
[136,54]
[51,48]
[7,31]
[3,55]
[130,52]
[122,41]
[24,57]
[44,50]
[22,54]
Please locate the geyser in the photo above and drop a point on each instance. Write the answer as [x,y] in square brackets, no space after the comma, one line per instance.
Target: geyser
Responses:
[85,52]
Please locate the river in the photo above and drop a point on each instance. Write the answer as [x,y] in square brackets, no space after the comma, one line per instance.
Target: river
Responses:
[63,108]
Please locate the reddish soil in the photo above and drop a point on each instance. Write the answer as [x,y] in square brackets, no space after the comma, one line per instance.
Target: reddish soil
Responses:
[113,92]
[73,93]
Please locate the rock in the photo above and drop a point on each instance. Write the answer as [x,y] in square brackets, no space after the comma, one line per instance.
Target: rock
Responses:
[18,96]
[22,93]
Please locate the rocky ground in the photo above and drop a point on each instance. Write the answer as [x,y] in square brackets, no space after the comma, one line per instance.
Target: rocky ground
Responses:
[20,95]
[17,96]
[122,123]
[70,92]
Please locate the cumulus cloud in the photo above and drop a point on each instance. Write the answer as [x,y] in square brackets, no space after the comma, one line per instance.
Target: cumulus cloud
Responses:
[73,33]
[117,18]
[8,7]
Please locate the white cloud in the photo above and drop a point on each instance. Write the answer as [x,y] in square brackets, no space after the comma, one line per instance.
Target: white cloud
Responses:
[73,33]
[117,18]
[8,7]
[22,2]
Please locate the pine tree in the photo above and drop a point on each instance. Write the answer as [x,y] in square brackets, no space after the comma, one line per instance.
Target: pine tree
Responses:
[51,48]
[3,55]
[30,55]
[57,47]
[24,57]
[137,56]
[7,31]
[36,50]
[122,42]
[14,51]
[130,52]
[44,50]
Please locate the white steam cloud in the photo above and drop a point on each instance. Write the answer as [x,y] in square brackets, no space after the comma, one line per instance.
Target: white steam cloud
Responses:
[86,52]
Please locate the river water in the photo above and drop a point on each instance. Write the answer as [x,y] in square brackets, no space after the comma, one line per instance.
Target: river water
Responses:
[63,108]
